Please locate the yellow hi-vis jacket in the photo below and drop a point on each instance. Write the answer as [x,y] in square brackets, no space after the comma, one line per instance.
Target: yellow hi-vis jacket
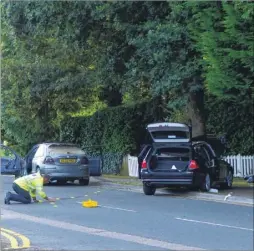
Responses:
[32,183]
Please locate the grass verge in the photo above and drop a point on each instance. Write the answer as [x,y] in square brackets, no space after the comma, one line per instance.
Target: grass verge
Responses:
[240,182]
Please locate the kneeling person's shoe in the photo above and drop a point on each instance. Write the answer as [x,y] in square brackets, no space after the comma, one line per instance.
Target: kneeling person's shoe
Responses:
[7,198]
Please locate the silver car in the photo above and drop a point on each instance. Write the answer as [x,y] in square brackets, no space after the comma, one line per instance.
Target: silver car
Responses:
[63,162]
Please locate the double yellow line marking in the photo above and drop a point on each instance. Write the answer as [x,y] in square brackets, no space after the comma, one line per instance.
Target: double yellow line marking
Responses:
[13,238]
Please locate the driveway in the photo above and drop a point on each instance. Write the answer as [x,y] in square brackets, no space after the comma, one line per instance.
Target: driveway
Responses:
[127,220]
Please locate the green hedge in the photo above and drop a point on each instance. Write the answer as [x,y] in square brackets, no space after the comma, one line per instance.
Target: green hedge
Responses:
[112,132]
[233,120]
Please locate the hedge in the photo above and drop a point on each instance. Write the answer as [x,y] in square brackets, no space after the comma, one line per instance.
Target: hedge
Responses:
[236,121]
[112,132]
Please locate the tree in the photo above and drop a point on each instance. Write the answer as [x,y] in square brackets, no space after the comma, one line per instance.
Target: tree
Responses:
[223,32]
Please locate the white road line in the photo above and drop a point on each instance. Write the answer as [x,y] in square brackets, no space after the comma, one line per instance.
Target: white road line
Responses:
[102,232]
[116,208]
[214,224]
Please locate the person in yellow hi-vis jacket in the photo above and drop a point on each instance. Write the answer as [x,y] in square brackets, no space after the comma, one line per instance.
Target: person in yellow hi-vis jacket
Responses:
[26,188]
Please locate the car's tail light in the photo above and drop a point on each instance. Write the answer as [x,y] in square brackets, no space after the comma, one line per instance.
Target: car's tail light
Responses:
[84,161]
[144,164]
[49,160]
[193,165]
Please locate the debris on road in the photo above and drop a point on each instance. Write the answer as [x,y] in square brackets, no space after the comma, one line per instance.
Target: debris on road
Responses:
[213,190]
[229,195]
[249,178]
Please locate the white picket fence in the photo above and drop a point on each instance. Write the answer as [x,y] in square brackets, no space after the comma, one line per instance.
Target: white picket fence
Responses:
[243,165]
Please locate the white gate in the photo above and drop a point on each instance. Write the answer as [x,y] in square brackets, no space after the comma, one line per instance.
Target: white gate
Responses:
[133,166]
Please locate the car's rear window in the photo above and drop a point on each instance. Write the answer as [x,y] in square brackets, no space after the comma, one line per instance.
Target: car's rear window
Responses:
[173,153]
[56,150]
[170,135]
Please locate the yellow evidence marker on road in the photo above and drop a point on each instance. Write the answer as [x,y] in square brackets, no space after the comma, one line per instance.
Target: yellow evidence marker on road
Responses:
[90,203]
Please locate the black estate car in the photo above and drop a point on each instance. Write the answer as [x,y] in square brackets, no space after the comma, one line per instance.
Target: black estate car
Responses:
[175,160]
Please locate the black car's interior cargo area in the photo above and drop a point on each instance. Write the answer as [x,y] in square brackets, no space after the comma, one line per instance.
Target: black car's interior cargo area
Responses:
[170,158]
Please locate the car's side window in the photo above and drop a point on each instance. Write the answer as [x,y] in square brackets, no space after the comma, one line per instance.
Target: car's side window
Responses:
[39,152]
[201,153]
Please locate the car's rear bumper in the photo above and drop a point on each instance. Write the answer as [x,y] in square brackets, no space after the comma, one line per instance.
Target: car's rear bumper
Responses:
[171,179]
[61,175]
[67,176]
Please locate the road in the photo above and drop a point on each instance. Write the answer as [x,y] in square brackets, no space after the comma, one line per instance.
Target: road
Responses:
[127,220]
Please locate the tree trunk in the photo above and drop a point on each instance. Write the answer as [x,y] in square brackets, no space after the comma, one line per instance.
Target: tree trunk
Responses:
[195,110]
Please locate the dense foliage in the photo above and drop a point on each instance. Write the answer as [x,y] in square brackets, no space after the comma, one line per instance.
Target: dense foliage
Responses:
[233,120]
[66,58]
[113,132]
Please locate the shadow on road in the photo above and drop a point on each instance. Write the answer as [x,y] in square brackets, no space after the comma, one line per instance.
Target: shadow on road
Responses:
[74,184]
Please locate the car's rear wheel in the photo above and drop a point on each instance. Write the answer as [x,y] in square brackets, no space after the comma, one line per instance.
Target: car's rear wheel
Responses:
[84,182]
[207,183]
[148,190]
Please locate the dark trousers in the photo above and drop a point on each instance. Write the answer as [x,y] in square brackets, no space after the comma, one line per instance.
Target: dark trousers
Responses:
[21,195]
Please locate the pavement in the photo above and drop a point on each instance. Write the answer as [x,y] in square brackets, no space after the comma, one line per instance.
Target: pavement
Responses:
[126,219]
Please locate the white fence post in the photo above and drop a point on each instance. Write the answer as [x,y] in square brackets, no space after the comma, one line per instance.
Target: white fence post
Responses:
[239,165]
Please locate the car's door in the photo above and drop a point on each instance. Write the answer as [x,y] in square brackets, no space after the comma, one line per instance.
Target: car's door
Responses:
[224,167]
[8,160]
[95,166]
[213,162]
[201,156]
[29,158]
[141,156]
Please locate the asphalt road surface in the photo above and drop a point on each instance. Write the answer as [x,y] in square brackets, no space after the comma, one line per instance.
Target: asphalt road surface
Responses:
[126,220]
